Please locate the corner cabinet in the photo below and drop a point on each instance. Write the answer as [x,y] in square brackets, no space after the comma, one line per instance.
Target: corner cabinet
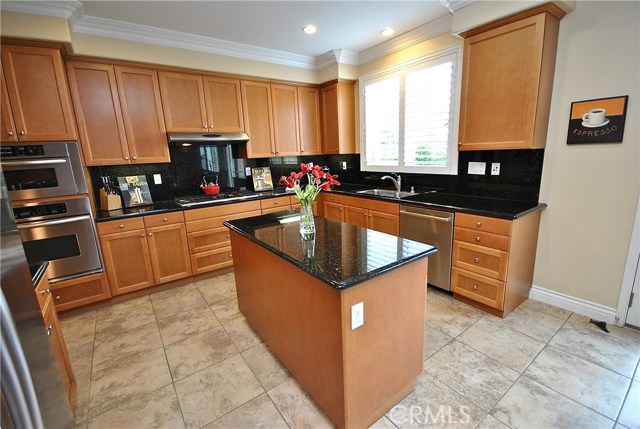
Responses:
[119,114]
[493,261]
[338,118]
[507,80]
[35,97]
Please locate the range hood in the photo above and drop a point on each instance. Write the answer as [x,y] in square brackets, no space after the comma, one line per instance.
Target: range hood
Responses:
[187,139]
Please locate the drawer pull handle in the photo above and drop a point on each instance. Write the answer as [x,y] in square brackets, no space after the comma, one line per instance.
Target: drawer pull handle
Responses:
[121,226]
[477,238]
[475,287]
[58,297]
[276,203]
[230,256]
[46,291]
[142,235]
[149,234]
[49,329]
[478,223]
[164,219]
[476,260]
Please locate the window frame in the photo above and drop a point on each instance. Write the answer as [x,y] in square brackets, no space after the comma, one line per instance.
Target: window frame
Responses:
[455,53]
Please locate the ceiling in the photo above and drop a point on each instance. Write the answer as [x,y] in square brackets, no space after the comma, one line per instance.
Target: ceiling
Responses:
[272,29]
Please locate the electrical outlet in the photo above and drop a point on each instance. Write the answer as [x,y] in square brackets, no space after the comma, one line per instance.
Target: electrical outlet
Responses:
[357,315]
[477,168]
[247,171]
[344,165]
[495,168]
[157,179]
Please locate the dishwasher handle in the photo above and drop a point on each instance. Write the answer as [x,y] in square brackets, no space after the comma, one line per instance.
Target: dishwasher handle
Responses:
[425,216]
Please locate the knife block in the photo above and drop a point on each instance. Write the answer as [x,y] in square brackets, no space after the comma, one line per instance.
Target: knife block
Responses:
[109,201]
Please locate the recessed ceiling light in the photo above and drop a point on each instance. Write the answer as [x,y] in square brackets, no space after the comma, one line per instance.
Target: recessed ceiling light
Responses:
[310,29]
[386,32]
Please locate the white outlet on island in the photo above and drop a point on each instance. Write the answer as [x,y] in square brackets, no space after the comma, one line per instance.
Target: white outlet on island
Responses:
[357,315]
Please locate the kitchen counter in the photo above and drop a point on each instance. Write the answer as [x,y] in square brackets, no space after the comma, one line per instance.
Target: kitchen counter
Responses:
[344,313]
[341,255]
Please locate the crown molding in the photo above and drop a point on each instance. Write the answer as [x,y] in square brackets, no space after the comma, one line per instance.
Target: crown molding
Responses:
[454,5]
[58,9]
[420,34]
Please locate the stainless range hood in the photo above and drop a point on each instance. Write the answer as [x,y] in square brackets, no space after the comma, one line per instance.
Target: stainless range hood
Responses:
[187,139]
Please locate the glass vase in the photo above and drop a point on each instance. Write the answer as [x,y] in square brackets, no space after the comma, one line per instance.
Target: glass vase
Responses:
[307,224]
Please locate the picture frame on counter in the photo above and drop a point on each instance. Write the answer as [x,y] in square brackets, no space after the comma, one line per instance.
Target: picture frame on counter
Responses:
[135,191]
[262,180]
[599,120]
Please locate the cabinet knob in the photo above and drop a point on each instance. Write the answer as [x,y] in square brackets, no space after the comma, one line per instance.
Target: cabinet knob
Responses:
[49,329]
[478,223]
[10,133]
[127,158]
[205,126]
[46,291]
[477,238]
[301,150]
[476,260]
[121,226]
[135,157]
[22,133]
[58,297]
[142,235]
[459,143]
[228,235]
[149,234]
[230,256]
[164,219]
[276,203]
[475,287]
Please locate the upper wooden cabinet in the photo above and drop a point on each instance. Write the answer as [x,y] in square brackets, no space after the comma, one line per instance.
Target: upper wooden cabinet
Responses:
[309,120]
[36,105]
[284,99]
[199,104]
[258,119]
[507,80]
[338,118]
[119,114]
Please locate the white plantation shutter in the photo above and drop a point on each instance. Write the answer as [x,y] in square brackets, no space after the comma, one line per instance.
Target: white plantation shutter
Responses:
[409,117]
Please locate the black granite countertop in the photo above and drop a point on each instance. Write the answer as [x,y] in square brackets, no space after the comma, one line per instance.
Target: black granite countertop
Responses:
[37,270]
[430,198]
[341,255]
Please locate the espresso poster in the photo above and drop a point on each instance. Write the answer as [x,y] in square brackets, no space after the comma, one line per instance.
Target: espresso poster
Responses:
[597,121]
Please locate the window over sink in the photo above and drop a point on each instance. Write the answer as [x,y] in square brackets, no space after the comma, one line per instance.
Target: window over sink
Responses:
[410,116]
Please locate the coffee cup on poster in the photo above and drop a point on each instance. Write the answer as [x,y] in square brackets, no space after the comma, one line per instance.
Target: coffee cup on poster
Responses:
[595,117]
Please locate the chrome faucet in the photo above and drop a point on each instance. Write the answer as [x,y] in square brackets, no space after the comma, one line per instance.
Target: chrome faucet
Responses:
[397,181]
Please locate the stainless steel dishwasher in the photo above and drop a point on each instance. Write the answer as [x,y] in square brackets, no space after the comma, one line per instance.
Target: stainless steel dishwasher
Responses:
[433,227]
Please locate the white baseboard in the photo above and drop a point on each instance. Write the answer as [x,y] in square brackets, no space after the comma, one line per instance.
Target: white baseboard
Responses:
[585,308]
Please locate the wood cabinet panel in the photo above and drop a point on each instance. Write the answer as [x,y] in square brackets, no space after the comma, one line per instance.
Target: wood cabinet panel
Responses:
[208,239]
[479,288]
[372,204]
[163,219]
[183,102]
[384,222]
[127,261]
[484,223]
[258,119]
[122,225]
[333,210]
[223,210]
[223,104]
[338,118]
[284,101]
[278,202]
[309,120]
[495,241]
[38,93]
[7,126]
[211,260]
[169,252]
[216,222]
[80,291]
[479,259]
[356,216]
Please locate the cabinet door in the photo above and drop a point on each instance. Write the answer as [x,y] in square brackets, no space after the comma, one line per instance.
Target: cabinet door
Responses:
[330,132]
[309,120]
[356,216]
[333,211]
[183,102]
[127,261]
[284,101]
[95,97]
[7,126]
[502,70]
[169,252]
[384,222]
[224,104]
[38,93]
[139,92]
[59,350]
[338,118]
[258,119]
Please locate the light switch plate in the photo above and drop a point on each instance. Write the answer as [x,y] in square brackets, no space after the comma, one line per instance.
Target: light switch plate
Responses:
[157,179]
[247,171]
[357,315]
[495,168]
[477,168]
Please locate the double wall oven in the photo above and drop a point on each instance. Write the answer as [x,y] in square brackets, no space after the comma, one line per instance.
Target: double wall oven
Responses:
[48,193]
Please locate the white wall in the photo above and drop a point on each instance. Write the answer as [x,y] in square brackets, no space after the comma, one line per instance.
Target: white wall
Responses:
[592,190]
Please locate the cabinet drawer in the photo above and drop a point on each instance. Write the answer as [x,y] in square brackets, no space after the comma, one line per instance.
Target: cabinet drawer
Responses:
[478,288]
[211,260]
[278,202]
[484,223]
[223,210]
[208,239]
[80,291]
[163,219]
[482,260]
[371,204]
[487,239]
[123,225]
[217,222]
[275,210]
[333,198]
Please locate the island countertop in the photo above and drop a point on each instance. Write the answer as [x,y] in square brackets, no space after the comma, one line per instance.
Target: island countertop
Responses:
[340,255]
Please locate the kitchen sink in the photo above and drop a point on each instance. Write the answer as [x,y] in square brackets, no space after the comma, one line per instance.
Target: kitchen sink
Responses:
[389,193]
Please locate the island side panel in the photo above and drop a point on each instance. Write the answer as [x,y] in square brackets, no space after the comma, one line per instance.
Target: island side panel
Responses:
[384,356]
[297,316]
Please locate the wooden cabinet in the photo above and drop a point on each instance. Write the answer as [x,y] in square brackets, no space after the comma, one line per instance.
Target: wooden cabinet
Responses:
[507,80]
[274,205]
[80,291]
[332,206]
[194,103]
[284,99]
[493,260]
[258,119]
[141,252]
[35,100]
[373,214]
[209,243]
[309,120]
[119,114]
[338,118]
[56,339]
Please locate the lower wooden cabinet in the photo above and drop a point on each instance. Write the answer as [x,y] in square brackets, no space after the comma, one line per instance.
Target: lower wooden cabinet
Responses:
[141,252]
[56,339]
[373,214]
[80,291]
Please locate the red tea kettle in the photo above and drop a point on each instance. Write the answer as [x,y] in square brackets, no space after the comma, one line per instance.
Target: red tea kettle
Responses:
[210,188]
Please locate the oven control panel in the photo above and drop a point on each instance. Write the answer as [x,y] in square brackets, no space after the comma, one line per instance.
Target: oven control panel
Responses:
[22,151]
[28,212]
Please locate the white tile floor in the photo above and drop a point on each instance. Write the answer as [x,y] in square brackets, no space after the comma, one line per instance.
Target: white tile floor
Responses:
[186,357]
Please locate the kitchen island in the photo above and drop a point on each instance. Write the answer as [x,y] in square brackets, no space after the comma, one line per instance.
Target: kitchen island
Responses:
[298,296]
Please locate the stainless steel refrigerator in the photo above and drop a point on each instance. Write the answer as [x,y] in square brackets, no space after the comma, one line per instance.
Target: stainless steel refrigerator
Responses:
[32,392]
